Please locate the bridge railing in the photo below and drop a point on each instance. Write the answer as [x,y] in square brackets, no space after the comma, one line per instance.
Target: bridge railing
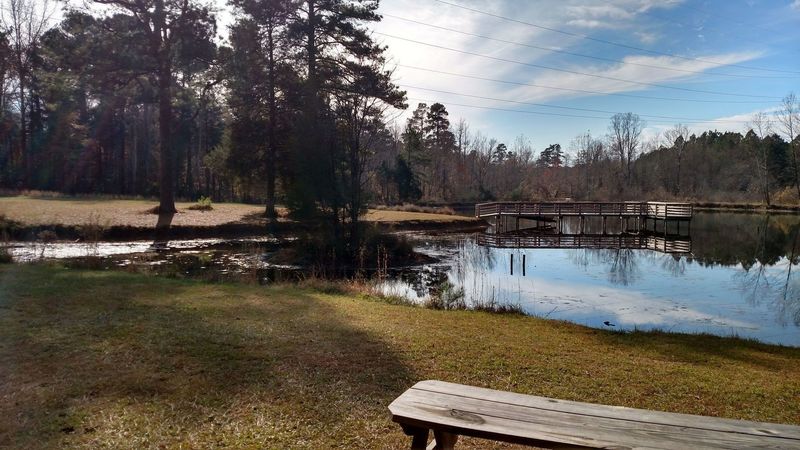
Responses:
[659,210]
[579,241]
[664,210]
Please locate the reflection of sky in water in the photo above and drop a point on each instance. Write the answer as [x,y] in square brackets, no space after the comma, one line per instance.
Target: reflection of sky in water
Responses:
[633,289]
[32,251]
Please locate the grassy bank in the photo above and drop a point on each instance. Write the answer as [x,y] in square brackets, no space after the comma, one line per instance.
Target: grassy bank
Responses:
[746,207]
[92,359]
[67,216]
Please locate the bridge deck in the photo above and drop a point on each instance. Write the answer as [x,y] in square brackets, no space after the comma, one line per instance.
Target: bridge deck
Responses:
[649,210]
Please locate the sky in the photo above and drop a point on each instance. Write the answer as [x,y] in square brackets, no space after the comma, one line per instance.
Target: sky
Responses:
[553,69]
[571,64]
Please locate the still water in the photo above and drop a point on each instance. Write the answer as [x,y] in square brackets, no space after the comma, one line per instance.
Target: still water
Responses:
[729,274]
[740,276]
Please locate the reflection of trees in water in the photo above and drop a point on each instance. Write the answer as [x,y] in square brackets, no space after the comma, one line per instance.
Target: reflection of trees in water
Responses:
[730,239]
[674,264]
[423,281]
[471,257]
[623,264]
[468,258]
[779,290]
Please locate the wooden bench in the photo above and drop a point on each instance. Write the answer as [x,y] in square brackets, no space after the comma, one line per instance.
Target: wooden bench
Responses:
[452,410]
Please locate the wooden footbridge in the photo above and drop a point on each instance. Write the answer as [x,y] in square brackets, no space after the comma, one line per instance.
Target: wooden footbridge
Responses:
[636,212]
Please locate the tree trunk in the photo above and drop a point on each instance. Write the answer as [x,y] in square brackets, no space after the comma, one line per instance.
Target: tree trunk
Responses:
[273,113]
[166,177]
[161,50]
[23,132]
[793,148]
[122,163]
[678,175]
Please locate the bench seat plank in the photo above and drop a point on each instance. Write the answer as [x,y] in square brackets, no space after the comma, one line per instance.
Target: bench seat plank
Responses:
[541,421]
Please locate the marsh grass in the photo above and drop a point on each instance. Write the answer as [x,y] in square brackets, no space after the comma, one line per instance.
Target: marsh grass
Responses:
[447,296]
[117,360]
[92,232]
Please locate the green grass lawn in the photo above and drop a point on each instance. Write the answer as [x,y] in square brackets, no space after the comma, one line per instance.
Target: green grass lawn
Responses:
[109,359]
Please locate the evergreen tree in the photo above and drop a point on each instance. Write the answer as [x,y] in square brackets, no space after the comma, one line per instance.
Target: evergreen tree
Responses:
[168,33]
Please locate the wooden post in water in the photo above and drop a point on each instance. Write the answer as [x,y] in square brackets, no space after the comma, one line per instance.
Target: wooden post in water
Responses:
[523,264]
[511,264]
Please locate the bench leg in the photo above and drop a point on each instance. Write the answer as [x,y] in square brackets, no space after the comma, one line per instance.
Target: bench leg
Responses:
[419,437]
[444,440]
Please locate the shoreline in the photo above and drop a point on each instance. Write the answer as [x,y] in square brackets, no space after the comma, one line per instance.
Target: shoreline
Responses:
[746,208]
[122,233]
[24,218]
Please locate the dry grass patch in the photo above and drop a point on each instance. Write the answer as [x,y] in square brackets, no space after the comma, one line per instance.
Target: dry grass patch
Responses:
[68,211]
[374,215]
[134,213]
[107,359]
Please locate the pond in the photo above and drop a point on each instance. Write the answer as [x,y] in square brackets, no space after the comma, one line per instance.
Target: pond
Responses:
[729,274]
[740,276]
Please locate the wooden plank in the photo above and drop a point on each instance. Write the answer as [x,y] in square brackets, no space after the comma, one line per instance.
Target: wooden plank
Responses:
[688,420]
[574,428]
[536,420]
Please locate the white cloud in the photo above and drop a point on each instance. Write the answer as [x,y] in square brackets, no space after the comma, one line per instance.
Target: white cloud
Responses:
[611,15]
[649,75]
[646,38]
[795,5]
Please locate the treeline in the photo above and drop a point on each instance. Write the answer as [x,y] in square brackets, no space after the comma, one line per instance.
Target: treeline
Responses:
[143,100]
[430,160]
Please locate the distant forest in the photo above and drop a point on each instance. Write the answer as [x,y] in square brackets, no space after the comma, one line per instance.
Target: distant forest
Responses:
[144,101]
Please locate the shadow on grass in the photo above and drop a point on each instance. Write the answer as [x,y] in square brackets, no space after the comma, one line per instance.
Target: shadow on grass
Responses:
[92,358]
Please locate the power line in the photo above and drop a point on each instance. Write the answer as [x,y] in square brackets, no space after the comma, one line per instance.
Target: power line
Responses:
[599,58]
[540,66]
[490,108]
[583,91]
[543,105]
[604,41]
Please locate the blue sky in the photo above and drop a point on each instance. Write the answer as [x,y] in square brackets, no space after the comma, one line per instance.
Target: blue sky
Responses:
[717,46]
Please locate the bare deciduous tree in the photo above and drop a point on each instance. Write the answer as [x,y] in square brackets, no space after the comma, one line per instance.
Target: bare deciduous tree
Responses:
[760,127]
[463,136]
[789,119]
[26,22]
[625,132]
[677,138]
[589,152]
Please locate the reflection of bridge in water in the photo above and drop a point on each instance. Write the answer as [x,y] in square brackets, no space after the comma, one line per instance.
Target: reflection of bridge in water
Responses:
[642,241]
